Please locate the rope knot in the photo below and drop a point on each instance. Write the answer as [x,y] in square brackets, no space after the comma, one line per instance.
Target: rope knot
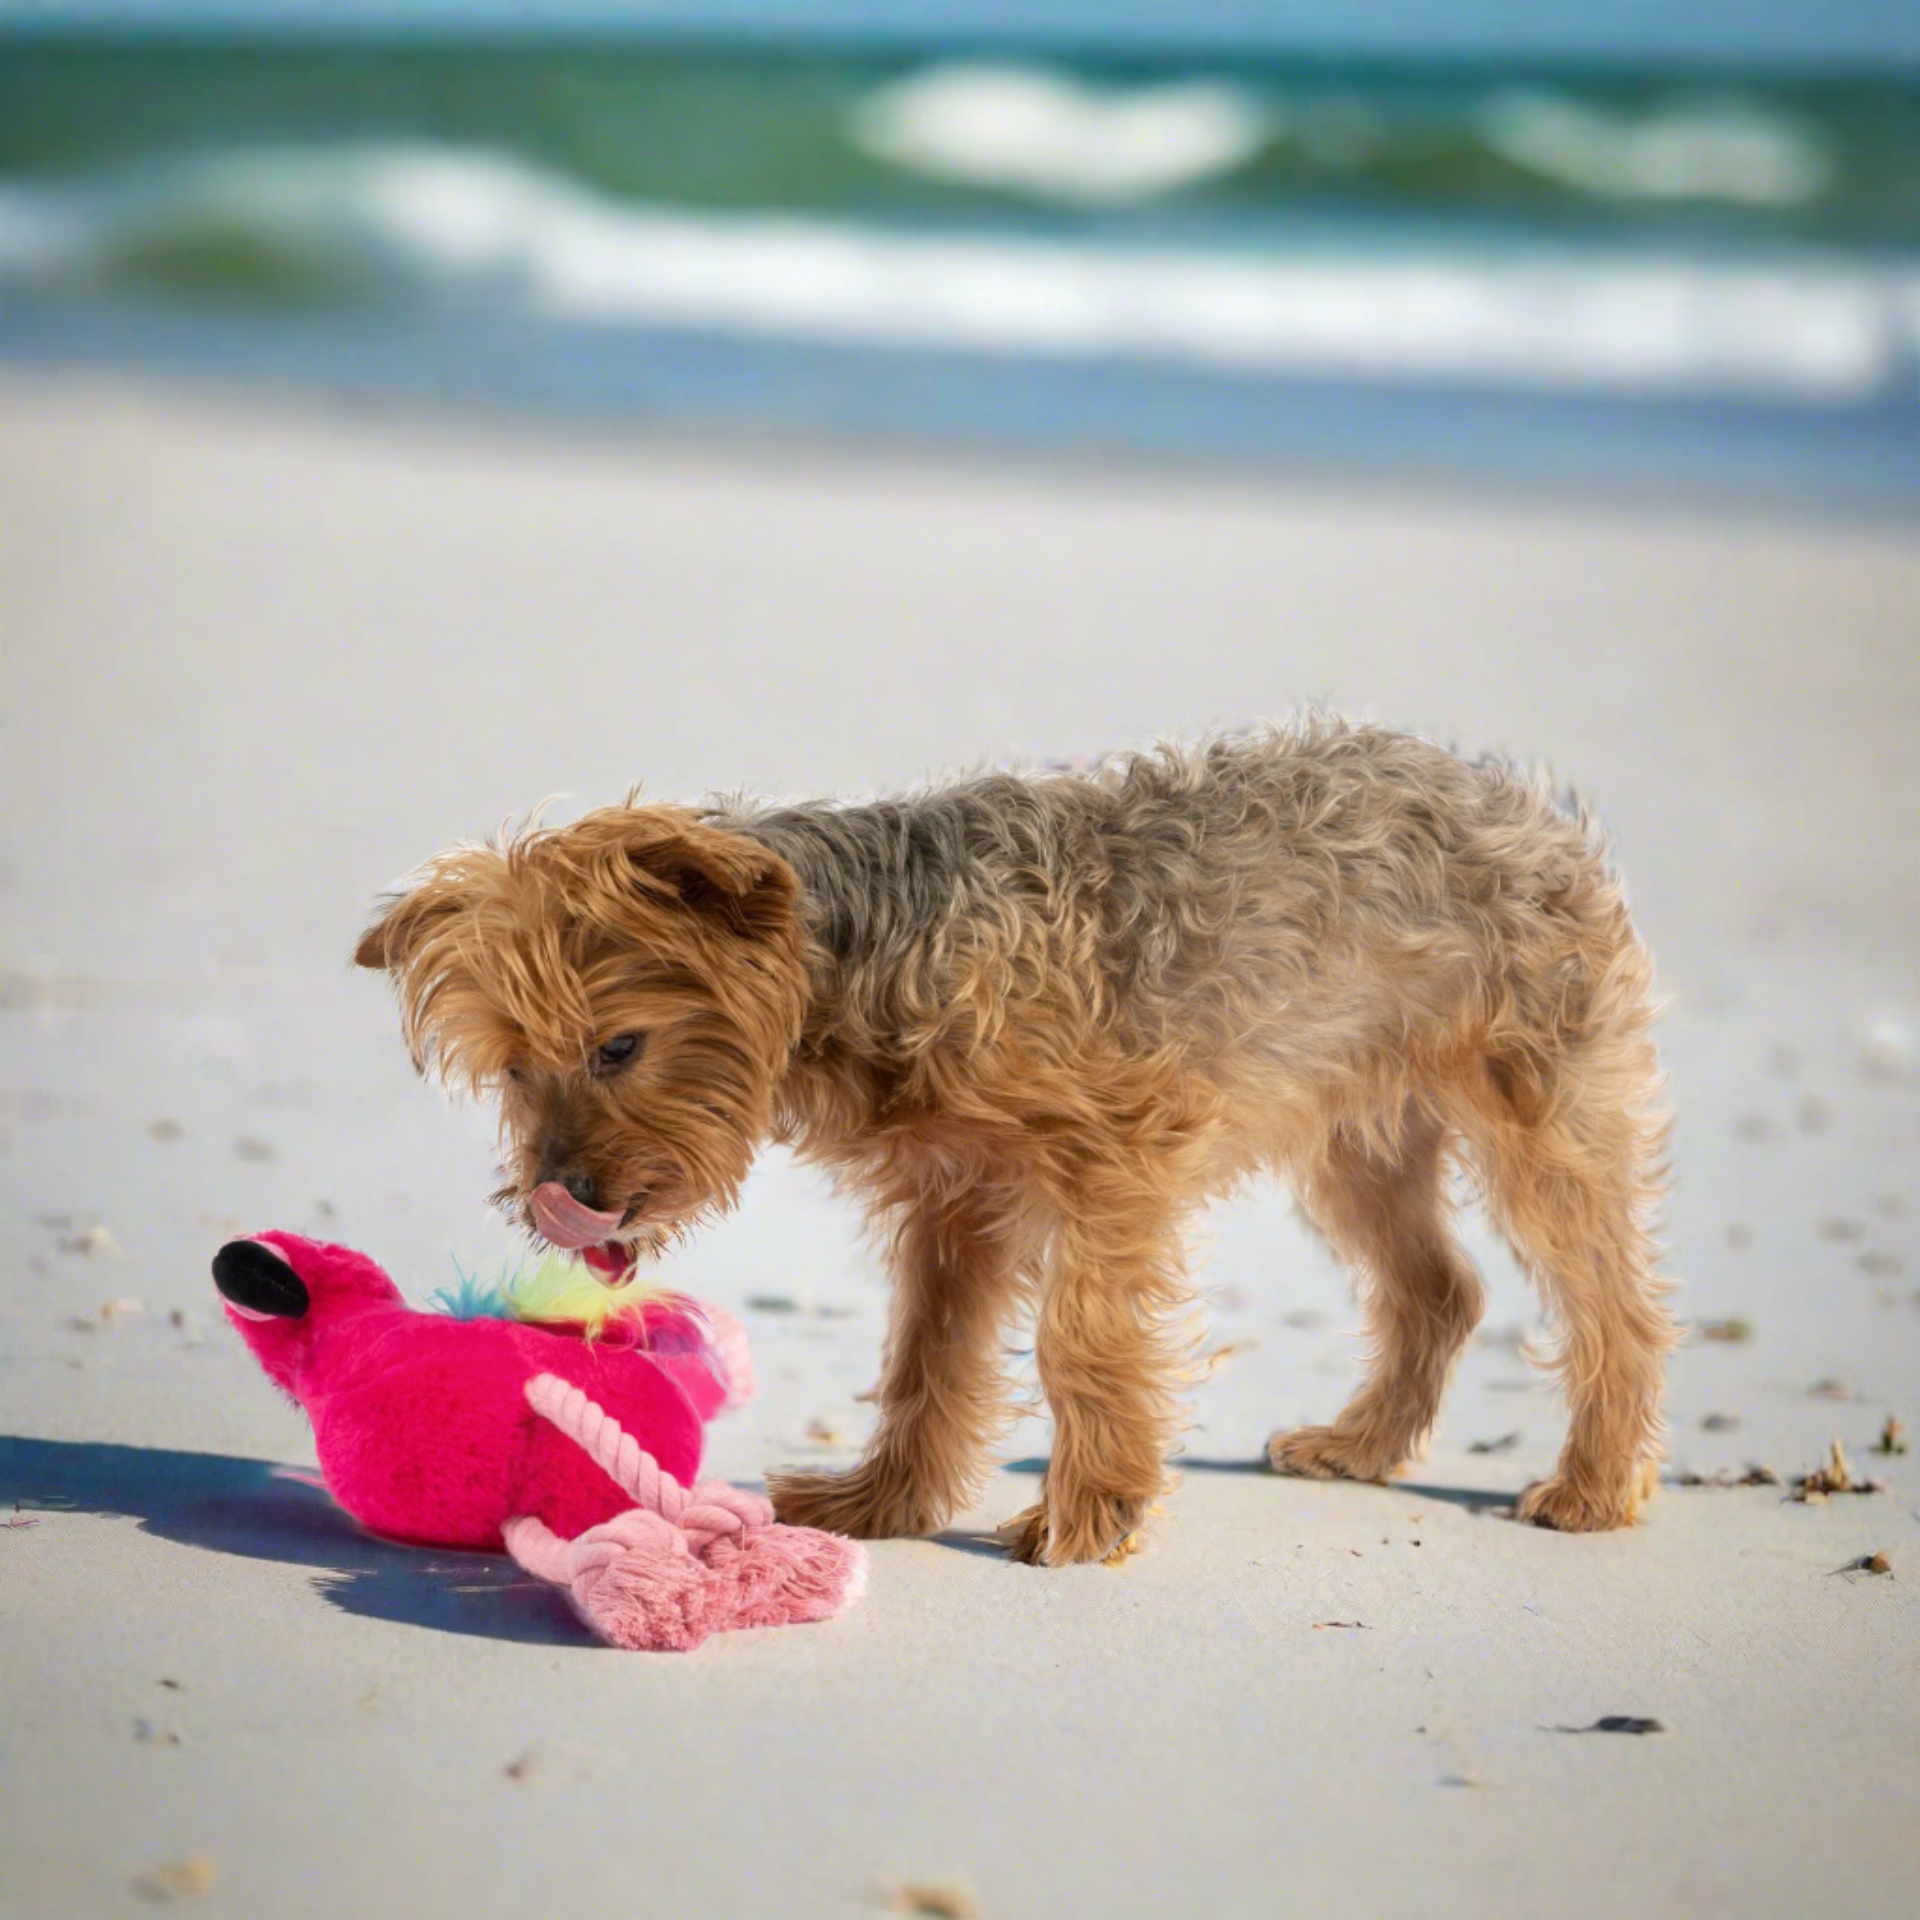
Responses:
[716,1511]
[681,1562]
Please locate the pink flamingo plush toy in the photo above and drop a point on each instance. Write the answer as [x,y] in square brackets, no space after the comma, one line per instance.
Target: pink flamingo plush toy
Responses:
[575,1454]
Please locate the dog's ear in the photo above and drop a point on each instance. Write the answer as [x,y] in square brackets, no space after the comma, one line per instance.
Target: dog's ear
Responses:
[387,945]
[724,876]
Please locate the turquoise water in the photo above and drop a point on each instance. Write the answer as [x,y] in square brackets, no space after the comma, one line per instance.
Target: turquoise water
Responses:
[717,129]
[1241,252]
[1863,34]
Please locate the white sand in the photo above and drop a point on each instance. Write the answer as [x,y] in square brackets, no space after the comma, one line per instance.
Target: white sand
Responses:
[261,659]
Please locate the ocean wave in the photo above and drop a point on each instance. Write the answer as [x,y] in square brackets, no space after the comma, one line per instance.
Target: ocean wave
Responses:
[1053,137]
[1724,150]
[349,225]
[1058,138]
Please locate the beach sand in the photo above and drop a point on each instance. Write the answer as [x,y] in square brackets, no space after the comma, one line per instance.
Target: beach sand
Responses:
[262,656]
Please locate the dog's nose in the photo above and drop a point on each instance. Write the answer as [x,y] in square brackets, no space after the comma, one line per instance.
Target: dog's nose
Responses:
[583,1189]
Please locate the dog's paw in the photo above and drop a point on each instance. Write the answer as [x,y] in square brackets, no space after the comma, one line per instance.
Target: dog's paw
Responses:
[1102,1527]
[1025,1535]
[1566,1506]
[862,1504]
[1325,1453]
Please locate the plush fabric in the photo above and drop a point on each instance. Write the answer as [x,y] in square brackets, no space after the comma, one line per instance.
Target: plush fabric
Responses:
[477,1433]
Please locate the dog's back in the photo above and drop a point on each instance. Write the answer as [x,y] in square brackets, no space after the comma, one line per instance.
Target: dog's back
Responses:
[1313,891]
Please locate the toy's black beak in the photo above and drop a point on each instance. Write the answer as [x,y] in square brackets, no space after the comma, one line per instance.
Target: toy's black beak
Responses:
[259,1281]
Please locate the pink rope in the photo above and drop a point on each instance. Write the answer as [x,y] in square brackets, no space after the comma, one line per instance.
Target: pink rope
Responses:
[681,1562]
[538,1548]
[711,1511]
[596,1433]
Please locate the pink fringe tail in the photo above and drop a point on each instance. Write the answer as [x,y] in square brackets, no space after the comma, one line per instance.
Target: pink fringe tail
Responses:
[682,1562]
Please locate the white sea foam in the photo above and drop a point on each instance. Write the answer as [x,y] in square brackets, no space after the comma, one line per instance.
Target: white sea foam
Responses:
[495,229]
[1058,138]
[1710,150]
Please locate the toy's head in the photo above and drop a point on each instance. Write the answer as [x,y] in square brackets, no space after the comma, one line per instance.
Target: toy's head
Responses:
[281,1291]
[629,988]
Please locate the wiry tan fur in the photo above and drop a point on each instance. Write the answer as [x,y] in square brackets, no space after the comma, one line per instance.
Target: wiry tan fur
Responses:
[1034,1021]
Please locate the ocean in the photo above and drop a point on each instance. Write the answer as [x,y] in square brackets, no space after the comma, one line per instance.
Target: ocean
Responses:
[1689,269]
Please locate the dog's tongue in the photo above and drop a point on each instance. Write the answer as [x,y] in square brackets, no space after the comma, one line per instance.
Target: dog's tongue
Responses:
[565,1221]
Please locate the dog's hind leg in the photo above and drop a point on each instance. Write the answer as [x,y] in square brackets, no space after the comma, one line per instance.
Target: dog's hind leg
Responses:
[1385,1214]
[957,1275]
[1571,1144]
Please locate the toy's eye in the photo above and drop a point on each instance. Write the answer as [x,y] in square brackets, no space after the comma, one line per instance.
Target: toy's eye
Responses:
[617,1052]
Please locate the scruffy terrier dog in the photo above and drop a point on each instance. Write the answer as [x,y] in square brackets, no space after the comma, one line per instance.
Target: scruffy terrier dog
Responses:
[1033,1022]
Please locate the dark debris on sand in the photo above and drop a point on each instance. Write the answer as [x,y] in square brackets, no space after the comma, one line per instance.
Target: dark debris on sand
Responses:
[1873,1563]
[1730,1333]
[1835,1477]
[941,1899]
[1753,1474]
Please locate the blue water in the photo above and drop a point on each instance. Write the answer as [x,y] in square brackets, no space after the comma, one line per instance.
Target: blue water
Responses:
[1874,34]
[1850,462]
[1645,248]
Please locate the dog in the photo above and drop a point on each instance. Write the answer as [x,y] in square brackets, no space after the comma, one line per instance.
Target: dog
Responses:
[1033,1022]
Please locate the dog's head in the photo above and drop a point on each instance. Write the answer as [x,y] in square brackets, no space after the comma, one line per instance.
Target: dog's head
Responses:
[629,988]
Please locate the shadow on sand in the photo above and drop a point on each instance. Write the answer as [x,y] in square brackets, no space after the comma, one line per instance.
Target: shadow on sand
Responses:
[1474,1499]
[265,1512]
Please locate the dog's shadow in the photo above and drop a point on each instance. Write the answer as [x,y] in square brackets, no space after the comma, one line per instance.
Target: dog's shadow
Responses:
[1474,1499]
[265,1512]
[262,1511]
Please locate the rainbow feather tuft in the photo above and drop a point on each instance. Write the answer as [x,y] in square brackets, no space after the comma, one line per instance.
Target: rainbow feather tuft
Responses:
[555,1292]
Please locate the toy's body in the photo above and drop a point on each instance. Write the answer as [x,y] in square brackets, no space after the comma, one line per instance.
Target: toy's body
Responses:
[488,1434]
[424,1431]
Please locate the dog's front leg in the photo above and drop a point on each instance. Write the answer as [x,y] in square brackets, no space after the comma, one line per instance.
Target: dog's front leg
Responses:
[1106,1348]
[942,1397]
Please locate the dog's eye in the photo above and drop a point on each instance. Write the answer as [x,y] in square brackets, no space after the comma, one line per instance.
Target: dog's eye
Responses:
[617,1052]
